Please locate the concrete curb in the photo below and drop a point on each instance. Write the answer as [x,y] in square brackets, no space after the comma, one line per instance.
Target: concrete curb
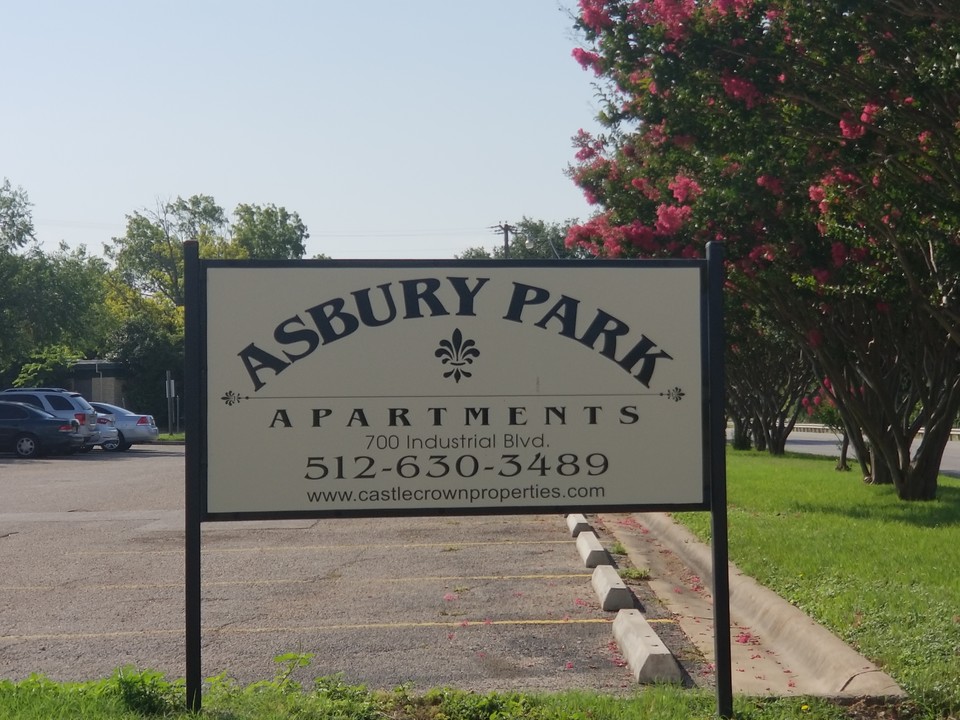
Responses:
[591,551]
[611,590]
[648,658]
[837,668]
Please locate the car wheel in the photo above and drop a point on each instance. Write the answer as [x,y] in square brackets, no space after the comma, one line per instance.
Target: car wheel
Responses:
[112,445]
[123,445]
[26,446]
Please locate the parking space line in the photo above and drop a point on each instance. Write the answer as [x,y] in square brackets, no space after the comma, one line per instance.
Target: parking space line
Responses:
[452,545]
[463,624]
[290,581]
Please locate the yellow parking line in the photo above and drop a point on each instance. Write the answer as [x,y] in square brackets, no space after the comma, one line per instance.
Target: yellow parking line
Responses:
[291,581]
[463,624]
[451,546]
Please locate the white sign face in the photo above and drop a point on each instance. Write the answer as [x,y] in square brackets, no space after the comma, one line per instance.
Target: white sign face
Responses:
[435,387]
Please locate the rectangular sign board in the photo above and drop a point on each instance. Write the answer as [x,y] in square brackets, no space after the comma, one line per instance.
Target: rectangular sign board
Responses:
[367,388]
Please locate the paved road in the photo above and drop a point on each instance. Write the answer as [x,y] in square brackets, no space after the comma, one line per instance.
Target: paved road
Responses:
[829,444]
[92,551]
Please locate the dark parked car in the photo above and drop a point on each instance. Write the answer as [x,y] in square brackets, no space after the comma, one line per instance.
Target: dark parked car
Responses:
[62,403]
[29,432]
[132,428]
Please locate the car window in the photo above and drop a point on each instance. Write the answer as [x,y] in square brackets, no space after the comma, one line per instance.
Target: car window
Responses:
[82,402]
[59,402]
[29,399]
[12,412]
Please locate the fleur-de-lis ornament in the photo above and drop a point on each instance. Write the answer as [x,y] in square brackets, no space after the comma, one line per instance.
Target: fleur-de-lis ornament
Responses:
[457,353]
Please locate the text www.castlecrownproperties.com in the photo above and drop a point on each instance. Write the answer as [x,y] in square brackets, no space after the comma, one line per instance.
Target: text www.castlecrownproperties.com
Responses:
[469,495]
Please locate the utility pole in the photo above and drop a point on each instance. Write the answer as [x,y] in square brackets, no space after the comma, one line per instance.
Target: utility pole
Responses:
[506,228]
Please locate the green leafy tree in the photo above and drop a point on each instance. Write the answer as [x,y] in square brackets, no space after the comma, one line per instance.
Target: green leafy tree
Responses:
[269,233]
[16,219]
[793,133]
[48,367]
[150,255]
[51,301]
[532,239]
[148,345]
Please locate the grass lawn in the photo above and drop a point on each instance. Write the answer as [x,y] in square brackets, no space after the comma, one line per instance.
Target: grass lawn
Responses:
[881,573]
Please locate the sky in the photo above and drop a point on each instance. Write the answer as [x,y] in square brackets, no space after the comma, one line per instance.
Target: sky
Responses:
[394,129]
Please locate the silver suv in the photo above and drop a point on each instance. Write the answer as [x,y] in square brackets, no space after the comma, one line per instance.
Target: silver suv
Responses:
[65,404]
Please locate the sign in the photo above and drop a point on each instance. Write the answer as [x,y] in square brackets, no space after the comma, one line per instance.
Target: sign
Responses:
[353,389]
[338,388]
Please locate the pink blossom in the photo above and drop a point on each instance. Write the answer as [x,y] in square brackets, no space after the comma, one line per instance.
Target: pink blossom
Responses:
[739,7]
[870,111]
[741,89]
[684,188]
[763,252]
[670,218]
[821,275]
[640,236]
[656,134]
[588,60]
[646,187]
[612,247]
[594,14]
[774,185]
[671,14]
[851,128]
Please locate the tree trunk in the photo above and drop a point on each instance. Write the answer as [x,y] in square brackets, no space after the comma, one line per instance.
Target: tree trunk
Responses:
[844,448]
[759,436]
[741,434]
[920,482]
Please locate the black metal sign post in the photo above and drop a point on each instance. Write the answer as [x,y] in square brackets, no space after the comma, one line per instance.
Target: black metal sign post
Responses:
[195,437]
[716,344]
[525,310]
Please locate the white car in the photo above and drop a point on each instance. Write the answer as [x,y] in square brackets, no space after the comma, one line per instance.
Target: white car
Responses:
[109,435]
[132,428]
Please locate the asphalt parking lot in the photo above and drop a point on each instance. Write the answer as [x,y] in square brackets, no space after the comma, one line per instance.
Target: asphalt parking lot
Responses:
[92,550]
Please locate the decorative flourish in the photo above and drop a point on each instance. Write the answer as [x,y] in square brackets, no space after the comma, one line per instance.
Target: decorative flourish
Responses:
[231,398]
[457,353]
[675,394]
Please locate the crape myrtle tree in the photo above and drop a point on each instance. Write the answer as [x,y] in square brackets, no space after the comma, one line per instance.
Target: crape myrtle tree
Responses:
[820,145]
[768,377]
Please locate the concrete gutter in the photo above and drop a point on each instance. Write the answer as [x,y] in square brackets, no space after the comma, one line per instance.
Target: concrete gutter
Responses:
[827,665]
